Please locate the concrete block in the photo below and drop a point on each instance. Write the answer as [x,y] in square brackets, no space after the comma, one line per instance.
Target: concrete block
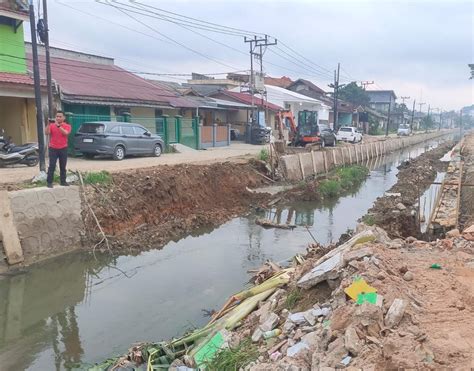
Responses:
[8,231]
[49,221]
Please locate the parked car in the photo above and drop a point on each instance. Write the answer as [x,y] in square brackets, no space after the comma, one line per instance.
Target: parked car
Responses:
[328,138]
[349,134]
[404,129]
[116,139]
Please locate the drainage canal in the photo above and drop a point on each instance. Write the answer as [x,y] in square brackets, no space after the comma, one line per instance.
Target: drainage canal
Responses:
[80,309]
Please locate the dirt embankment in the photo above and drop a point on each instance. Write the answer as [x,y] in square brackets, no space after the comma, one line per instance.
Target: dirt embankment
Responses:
[398,213]
[466,217]
[421,318]
[149,207]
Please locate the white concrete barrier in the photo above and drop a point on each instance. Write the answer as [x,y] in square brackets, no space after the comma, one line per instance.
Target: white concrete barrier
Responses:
[302,165]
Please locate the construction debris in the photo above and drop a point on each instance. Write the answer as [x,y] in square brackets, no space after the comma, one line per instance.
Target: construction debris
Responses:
[359,306]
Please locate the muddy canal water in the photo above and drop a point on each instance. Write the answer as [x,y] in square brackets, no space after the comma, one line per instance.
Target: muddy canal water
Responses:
[80,309]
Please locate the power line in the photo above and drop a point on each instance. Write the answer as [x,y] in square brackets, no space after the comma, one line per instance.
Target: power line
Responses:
[302,56]
[195,19]
[312,72]
[111,69]
[154,15]
[169,38]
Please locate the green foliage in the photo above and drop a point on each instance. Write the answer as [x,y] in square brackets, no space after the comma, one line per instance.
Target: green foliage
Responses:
[264,155]
[100,177]
[231,359]
[354,94]
[342,179]
[292,299]
[329,188]
[369,219]
[427,122]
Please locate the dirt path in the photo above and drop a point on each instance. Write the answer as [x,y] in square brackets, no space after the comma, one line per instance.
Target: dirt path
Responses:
[238,152]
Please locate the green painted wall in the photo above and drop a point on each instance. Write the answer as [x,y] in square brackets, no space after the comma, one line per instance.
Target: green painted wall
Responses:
[12,44]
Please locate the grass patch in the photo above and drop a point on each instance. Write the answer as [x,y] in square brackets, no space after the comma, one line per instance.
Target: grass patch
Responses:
[263,155]
[99,177]
[90,177]
[342,179]
[329,188]
[369,219]
[231,359]
[292,299]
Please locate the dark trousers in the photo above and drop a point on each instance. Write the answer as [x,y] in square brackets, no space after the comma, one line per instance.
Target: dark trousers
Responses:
[54,155]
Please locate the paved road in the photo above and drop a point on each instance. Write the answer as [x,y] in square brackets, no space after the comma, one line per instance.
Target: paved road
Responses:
[235,152]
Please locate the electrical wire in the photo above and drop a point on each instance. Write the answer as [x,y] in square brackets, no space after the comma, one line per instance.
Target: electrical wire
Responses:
[171,39]
[251,33]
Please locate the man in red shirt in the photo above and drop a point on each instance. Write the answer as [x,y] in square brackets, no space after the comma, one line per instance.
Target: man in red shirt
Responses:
[58,132]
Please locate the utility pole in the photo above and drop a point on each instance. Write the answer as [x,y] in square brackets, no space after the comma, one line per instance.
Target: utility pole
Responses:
[336,93]
[388,116]
[48,60]
[253,44]
[404,99]
[36,73]
[364,84]
[412,115]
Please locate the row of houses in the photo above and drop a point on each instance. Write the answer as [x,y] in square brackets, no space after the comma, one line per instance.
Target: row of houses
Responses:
[89,87]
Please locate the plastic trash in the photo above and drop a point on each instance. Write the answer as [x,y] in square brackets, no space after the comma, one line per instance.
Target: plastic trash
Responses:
[435,266]
[272,333]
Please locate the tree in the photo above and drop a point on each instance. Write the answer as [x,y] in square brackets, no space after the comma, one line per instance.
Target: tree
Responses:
[354,94]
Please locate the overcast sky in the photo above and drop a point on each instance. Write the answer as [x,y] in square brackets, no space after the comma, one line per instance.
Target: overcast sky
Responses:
[417,48]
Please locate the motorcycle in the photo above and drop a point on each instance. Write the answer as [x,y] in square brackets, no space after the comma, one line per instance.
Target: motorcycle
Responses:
[10,154]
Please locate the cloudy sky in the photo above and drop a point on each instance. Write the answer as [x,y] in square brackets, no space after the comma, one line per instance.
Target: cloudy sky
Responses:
[419,49]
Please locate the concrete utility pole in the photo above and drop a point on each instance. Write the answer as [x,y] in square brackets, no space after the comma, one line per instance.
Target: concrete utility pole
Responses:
[48,60]
[412,115]
[388,116]
[404,99]
[336,93]
[364,84]
[254,43]
[36,74]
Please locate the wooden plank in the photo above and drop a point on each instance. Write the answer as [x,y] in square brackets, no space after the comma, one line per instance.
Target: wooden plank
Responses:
[8,232]
[350,154]
[334,157]
[458,198]
[325,162]
[314,163]
[301,166]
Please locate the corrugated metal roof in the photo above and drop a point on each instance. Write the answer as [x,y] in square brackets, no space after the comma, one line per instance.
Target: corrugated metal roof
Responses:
[247,99]
[89,81]
[16,78]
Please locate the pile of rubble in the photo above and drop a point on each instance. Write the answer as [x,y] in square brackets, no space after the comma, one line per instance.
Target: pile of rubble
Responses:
[390,304]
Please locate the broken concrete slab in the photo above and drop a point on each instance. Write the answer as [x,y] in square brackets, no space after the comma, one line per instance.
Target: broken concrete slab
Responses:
[329,269]
[297,318]
[357,254]
[395,313]
[352,341]
[270,323]
[297,348]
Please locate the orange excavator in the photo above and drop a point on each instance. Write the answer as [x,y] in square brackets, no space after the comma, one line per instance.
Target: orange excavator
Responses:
[307,132]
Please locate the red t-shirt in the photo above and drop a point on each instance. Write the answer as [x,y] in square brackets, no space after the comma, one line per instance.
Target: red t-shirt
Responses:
[57,139]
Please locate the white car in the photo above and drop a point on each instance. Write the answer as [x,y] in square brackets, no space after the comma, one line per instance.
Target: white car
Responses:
[349,134]
[404,129]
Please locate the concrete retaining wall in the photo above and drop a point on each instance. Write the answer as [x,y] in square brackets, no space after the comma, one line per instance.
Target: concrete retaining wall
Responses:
[302,165]
[48,221]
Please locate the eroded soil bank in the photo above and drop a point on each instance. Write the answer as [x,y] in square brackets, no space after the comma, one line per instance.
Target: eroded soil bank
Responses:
[398,211]
[149,207]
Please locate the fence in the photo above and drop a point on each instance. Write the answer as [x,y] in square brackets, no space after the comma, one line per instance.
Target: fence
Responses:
[178,129]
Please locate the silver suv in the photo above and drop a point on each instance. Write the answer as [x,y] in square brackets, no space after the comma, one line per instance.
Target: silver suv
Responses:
[116,139]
